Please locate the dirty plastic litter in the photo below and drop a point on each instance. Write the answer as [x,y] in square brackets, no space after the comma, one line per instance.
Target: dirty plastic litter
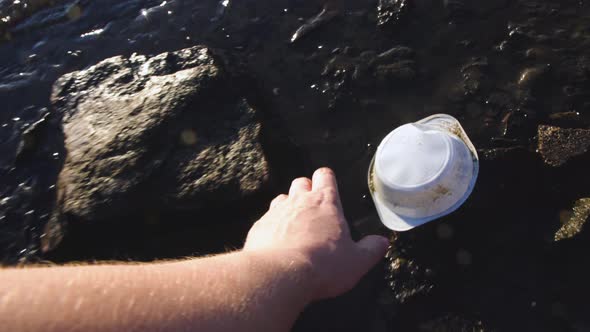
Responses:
[422,171]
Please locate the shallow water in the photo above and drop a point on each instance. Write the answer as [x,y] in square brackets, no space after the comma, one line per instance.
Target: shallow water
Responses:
[327,99]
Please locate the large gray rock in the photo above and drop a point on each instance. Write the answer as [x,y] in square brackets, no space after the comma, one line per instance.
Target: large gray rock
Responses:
[167,130]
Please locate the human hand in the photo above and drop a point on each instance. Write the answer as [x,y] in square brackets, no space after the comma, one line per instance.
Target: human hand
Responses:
[309,225]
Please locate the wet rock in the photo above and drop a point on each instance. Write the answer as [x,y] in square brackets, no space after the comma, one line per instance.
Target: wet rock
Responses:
[517,123]
[536,53]
[395,65]
[575,222]
[407,279]
[337,65]
[12,12]
[31,137]
[396,72]
[167,129]
[568,120]
[395,54]
[325,16]
[532,78]
[49,16]
[391,12]
[222,8]
[558,145]
[473,74]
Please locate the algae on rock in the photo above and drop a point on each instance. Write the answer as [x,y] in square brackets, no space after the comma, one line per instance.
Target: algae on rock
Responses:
[558,145]
[574,224]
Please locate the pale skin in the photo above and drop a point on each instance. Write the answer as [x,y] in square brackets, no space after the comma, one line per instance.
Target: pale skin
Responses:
[300,251]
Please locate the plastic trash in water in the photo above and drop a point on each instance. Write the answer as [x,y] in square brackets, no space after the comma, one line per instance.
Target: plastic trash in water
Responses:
[422,171]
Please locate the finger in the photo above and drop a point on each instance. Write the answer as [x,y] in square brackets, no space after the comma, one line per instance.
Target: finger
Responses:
[300,185]
[278,200]
[324,178]
[372,249]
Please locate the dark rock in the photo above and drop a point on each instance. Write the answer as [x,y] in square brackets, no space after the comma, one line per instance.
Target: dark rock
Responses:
[49,16]
[557,145]
[568,120]
[12,12]
[396,72]
[31,137]
[392,12]
[337,64]
[325,16]
[392,66]
[537,53]
[532,78]
[166,129]
[473,74]
[395,54]
[407,279]
[516,124]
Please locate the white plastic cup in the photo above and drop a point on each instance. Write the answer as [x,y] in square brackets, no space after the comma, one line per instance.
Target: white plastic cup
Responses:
[422,171]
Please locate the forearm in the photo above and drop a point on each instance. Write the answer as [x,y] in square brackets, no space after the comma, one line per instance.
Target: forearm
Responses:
[247,291]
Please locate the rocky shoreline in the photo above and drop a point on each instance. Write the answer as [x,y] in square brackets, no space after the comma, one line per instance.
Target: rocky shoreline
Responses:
[141,130]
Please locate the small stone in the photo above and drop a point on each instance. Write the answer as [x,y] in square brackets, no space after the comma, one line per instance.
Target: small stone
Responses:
[74,12]
[188,137]
[574,224]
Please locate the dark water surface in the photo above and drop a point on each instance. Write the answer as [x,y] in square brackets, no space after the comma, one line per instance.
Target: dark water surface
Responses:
[326,99]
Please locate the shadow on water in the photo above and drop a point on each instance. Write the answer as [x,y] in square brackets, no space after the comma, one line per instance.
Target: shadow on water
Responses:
[495,261]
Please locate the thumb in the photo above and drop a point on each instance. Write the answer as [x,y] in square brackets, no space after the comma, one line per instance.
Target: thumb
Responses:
[372,248]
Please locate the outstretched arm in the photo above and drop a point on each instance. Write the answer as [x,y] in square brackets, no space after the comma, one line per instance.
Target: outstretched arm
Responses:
[298,252]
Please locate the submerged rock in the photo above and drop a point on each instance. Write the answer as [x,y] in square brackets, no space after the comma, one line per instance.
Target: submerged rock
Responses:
[396,72]
[406,278]
[391,12]
[325,16]
[396,65]
[557,145]
[531,78]
[474,76]
[395,53]
[574,224]
[167,130]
